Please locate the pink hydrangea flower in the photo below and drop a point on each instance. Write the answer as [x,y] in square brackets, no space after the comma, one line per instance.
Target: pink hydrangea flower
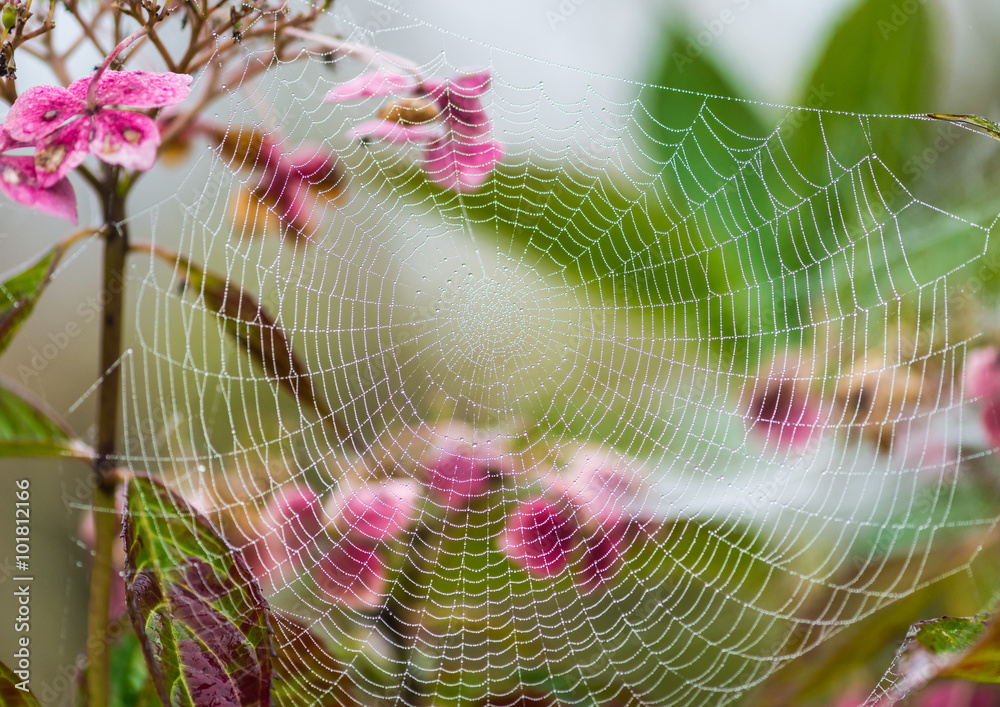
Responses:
[67,124]
[290,533]
[458,478]
[352,573]
[540,537]
[782,410]
[990,417]
[607,489]
[380,82]
[289,182]
[19,181]
[375,512]
[446,116]
[296,514]
[982,373]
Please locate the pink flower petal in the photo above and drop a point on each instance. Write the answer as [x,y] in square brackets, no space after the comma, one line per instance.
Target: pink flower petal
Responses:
[268,559]
[460,165]
[62,151]
[9,143]
[461,109]
[394,132]
[781,411]
[290,184]
[376,512]
[40,110]
[458,477]
[135,89]
[380,82]
[125,138]
[539,537]
[297,515]
[991,422]
[982,373]
[352,573]
[608,490]
[18,182]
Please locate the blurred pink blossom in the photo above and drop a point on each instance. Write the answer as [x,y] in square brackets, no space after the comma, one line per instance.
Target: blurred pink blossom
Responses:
[982,373]
[352,573]
[539,537]
[446,116]
[608,489]
[377,512]
[782,410]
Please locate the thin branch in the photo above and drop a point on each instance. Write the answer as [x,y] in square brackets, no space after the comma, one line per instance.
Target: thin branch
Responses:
[359,51]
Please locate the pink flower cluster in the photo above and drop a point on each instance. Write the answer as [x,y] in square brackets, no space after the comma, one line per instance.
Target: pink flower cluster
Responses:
[982,382]
[65,125]
[288,183]
[586,517]
[590,513]
[446,117]
[341,543]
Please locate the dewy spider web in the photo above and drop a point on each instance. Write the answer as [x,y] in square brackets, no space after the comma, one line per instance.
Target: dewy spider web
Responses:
[643,281]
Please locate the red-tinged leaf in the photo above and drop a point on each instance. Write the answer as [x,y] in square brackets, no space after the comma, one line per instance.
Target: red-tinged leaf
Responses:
[14,690]
[971,121]
[245,319]
[198,611]
[20,292]
[306,671]
[949,647]
[28,429]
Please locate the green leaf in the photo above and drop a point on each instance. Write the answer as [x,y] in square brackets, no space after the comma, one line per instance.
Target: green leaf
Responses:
[880,59]
[28,429]
[199,613]
[10,694]
[256,332]
[130,683]
[696,122]
[973,121]
[957,648]
[20,292]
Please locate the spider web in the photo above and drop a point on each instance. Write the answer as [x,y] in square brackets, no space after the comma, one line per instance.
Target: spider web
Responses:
[630,286]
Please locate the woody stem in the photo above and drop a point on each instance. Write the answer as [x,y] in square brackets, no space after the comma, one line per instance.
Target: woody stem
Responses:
[105,517]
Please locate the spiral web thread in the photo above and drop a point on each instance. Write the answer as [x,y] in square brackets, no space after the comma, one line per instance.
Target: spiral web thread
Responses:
[615,287]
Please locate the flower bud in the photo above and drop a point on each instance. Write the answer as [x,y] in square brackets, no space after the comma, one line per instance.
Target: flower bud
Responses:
[409,111]
[8,16]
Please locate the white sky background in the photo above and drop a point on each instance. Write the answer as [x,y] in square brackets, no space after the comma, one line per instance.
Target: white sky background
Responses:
[768,44]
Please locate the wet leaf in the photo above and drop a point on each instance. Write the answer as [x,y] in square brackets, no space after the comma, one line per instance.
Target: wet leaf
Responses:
[20,292]
[949,647]
[10,694]
[256,332]
[197,609]
[880,59]
[28,429]
[972,121]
